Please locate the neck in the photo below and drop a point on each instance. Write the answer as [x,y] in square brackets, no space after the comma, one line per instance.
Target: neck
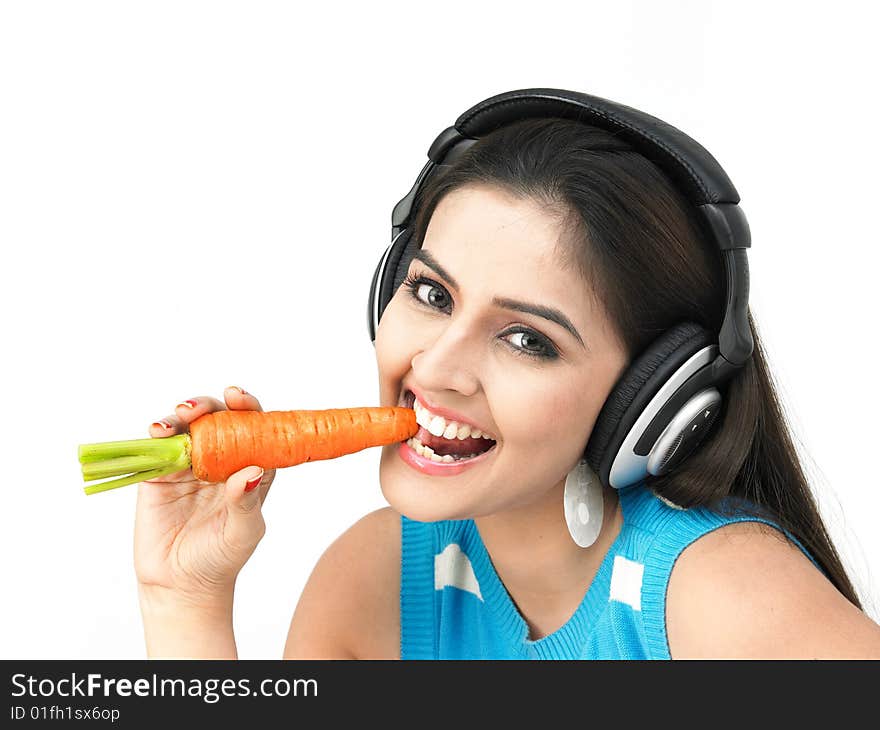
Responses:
[534,555]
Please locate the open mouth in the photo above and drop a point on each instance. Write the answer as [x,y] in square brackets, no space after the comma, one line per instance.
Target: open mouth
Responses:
[446,450]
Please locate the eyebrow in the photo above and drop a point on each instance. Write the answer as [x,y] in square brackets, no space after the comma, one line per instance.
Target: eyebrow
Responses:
[549,313]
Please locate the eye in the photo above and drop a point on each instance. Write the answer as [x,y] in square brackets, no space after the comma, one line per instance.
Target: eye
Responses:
[427,292]
[532,345]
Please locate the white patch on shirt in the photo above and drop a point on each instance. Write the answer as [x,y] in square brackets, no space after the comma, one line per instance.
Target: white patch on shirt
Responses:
[453,568]
[626,582]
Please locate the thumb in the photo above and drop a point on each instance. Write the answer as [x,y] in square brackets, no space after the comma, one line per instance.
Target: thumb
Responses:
[245,519]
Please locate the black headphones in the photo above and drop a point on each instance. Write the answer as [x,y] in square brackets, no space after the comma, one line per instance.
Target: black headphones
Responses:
[666,401]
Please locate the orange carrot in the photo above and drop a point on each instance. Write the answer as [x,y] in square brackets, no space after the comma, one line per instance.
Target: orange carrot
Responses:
[225,441]
[220,443]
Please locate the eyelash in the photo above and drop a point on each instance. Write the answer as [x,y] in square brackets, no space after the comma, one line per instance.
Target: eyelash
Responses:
[412,284]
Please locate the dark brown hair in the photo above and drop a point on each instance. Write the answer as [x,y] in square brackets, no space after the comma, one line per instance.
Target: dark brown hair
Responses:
[639,243]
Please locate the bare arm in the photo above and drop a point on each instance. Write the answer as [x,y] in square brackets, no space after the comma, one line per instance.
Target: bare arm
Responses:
[743,591]
[350,606]
[175,627]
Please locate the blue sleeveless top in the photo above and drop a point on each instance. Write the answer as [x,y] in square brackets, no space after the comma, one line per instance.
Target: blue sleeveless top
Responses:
[453,605]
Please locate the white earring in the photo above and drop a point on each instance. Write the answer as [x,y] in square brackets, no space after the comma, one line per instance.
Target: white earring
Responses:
[584,504]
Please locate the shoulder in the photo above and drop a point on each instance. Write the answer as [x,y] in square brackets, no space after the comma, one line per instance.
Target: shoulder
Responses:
[350,606]
[744,590]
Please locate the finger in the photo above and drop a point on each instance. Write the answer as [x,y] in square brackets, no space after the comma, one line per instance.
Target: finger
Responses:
[167,426]
[243,495]
[184,413]
[192,408]
[240,400]
[266,485]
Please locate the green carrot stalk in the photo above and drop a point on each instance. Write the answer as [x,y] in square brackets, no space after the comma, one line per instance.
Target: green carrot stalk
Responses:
[137,459]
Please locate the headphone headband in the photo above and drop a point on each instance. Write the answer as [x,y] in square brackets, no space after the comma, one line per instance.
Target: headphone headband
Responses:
[688,163]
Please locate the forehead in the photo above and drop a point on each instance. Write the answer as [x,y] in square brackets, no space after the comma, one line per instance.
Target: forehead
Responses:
[487,238]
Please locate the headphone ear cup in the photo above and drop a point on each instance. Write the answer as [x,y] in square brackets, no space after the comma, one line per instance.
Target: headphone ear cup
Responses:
[387,278]
[636,388]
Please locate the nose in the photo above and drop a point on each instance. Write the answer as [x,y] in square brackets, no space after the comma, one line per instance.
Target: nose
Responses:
[446,362]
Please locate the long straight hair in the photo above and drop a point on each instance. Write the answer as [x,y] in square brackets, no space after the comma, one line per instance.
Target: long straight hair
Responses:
[639,243]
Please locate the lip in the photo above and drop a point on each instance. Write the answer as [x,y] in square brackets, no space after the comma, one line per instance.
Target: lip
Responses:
[433,468]
[447,413]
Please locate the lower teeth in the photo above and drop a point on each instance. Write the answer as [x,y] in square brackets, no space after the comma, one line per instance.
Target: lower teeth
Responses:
[428,453]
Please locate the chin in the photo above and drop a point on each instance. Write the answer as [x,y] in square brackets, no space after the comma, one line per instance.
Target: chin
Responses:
[417,499]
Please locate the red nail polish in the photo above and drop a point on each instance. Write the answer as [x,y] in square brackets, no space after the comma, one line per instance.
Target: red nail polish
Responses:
[164,425]
[252,483]
[191,403]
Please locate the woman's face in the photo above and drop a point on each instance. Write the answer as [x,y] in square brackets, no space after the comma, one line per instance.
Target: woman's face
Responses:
[455,339]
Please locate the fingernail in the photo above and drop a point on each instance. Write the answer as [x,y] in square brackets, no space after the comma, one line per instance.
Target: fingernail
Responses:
[163,424]
[240,390]
[191,403]
[252,483]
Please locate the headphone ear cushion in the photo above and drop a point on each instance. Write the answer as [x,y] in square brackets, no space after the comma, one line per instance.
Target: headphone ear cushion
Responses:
[646,375]
[391,275]
[401,266]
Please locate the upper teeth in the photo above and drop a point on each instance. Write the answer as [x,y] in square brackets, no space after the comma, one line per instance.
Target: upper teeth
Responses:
[448,429]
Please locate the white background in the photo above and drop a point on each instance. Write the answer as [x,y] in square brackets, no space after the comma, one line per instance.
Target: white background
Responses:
[196,194]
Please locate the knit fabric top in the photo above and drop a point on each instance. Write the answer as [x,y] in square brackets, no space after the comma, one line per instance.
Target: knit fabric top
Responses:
[453,604]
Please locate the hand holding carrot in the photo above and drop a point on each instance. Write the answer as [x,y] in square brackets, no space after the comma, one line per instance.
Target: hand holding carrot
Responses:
[192,537]
[203,476]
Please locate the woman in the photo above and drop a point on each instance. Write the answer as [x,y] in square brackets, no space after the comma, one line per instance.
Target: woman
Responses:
[489,556]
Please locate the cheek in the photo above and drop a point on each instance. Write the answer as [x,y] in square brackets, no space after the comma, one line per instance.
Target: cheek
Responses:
[394,347]
[543,414]
[556,415]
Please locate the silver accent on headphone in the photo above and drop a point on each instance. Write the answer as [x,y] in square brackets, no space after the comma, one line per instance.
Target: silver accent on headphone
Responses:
[688,426]
[629,467]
